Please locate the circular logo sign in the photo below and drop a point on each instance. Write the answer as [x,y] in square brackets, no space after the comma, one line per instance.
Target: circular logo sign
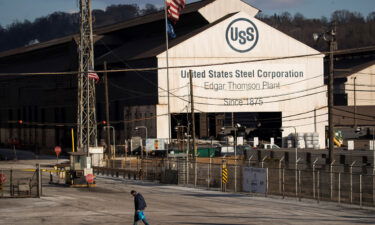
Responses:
[242,35]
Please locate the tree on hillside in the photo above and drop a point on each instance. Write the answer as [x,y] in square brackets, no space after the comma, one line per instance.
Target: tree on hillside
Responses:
[354,30]
[149,8]
[60,24]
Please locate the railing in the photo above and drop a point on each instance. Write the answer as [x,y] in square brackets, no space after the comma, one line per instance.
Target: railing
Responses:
[318,182]
[20,183]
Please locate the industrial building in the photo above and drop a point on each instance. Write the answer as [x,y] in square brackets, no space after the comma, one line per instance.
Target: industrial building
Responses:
[244,72]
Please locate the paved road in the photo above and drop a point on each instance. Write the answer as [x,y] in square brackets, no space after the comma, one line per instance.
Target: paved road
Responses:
[111,203]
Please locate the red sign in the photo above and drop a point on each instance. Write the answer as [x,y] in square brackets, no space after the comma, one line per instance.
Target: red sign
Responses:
[58,150]
[2,178]
[90,178]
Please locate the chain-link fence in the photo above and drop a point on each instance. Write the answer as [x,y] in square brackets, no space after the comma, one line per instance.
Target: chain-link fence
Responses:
[322,183]
[20,183]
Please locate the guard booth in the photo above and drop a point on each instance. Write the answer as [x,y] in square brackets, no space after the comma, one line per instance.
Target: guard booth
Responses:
[80,166]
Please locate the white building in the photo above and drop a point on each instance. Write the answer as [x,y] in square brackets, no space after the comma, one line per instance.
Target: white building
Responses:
[255,68]
[242,68]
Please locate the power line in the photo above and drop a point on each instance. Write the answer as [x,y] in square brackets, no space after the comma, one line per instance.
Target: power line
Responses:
[265,120]
[139,75]
[350,117]
[155,116]
[360,114]
[361,85]
[187,66]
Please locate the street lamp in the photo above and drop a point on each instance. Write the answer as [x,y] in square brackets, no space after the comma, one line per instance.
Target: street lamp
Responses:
[142,127]
[329,36]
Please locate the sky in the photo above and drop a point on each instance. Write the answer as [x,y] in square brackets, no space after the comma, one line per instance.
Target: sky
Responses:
[19,10]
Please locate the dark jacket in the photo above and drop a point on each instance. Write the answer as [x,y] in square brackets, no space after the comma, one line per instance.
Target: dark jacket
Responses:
[139,202]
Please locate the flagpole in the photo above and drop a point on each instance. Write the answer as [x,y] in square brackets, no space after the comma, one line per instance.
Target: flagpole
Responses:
[167,58]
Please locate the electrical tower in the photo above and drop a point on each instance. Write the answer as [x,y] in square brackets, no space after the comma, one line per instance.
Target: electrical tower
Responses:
[86,116]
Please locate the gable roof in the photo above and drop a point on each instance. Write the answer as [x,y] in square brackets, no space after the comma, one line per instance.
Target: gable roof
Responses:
[150,47]
[192,7]
[351,61]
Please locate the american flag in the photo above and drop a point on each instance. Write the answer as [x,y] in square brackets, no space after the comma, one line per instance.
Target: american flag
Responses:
[174,9]
[93,75]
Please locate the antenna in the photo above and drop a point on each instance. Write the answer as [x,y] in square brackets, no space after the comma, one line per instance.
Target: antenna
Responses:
[86,116]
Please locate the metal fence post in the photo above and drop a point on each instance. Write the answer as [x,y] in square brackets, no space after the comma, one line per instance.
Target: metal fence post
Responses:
[137,163]
[318,185]
[313,173]
[339,189]
[221,175]
[209,173]
[267,180]
[11,182]
[146,166]
[250,158]
[360,190]
[187,170]
[331,178]
[265,157]
[1,184]
[195,172]
[296,177]
[235,174]
[283,182]
[280,181]
[351,181]
[299,185]
[39,177]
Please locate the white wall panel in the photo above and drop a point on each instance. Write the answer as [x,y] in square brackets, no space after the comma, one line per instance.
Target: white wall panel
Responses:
[365,87]
[301,93]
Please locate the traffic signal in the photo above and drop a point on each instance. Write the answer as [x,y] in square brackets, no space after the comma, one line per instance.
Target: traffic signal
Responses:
[20,121]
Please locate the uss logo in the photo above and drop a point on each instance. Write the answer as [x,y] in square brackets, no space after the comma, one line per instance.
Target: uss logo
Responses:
[242,35]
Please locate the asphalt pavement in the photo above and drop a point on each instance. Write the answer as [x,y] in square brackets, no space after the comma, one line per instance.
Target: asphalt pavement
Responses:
[111,203]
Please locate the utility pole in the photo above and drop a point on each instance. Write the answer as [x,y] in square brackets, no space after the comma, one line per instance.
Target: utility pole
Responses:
[232,119]
[331,133]
[86,117]
[167,62]
[107,131]
[192,113]
[355,104]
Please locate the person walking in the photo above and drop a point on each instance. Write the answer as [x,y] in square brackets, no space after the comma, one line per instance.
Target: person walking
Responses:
[139,206]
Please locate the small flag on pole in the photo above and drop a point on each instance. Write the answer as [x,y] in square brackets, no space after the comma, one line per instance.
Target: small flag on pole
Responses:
[93,75]
[174,8]
[170,30]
